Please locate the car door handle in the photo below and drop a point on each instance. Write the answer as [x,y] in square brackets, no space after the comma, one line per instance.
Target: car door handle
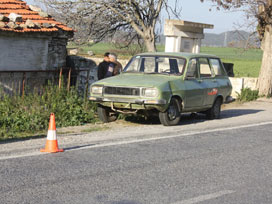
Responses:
[214,81]
[199,81]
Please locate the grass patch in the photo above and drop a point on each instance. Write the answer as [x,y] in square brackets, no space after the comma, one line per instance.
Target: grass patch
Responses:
[247,63]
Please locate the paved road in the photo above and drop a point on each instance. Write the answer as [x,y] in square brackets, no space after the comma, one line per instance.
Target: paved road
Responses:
[224,161]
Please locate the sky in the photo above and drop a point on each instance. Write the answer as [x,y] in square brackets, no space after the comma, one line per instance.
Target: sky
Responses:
[194,10]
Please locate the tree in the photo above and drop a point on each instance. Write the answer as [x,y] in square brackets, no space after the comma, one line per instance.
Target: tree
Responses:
[99,19]
[261,10]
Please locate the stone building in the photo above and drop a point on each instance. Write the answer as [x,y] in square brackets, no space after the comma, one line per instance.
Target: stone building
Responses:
[32,44]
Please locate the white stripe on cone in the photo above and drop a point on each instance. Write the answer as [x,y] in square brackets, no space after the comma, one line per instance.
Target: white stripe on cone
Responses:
[51,135]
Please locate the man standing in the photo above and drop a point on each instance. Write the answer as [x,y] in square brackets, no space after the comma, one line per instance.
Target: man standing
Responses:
[117,65]
[103,67]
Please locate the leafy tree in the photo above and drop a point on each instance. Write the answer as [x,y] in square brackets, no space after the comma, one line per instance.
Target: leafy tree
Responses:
[261,10]
[97,20]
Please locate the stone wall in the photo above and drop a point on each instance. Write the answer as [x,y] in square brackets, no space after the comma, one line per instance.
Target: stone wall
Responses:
[240,83]
[86,70]
[12,83]
[57,53]
[37,57]
[23,53]
[27,51]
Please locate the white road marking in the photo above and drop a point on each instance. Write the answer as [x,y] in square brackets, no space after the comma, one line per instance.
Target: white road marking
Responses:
[143,140]
[171,136]
[204,197]
[21,156]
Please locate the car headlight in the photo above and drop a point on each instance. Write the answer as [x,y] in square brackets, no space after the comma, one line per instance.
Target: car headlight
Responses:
[97,89]
[150,92]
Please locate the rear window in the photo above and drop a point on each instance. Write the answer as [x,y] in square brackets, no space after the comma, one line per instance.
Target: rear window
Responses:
[204,68]
[217,67]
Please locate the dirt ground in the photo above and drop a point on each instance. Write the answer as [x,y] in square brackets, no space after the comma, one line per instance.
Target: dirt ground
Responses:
[99,126]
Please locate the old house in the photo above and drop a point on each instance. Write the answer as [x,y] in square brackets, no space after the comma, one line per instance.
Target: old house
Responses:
[32,45]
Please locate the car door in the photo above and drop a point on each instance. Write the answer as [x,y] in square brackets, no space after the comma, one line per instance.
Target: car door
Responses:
[194,87]
[209,81]
[223,82]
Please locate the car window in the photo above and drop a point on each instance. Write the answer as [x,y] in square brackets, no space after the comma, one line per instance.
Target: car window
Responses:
[133,65]
[163,64]
[181,64]
[192,69]
[148,64]
[217,67]
[204,67]
[170,65]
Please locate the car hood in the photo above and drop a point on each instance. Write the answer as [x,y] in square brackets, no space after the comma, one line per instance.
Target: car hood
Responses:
[137,80]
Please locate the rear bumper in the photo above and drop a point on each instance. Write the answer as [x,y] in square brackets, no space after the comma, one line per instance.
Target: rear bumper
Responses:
[229,99]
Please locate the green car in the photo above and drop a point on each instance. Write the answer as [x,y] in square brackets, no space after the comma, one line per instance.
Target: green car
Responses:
[164,85]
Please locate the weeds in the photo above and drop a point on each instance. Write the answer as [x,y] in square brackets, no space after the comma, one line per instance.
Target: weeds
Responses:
[30,114]
[247,95]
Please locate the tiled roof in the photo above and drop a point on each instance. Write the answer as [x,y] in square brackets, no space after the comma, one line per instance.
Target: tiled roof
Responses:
[19,7]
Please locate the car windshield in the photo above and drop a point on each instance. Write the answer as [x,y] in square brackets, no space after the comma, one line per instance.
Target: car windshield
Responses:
[156,64]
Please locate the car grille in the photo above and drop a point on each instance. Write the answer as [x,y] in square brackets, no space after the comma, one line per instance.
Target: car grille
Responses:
[122,91]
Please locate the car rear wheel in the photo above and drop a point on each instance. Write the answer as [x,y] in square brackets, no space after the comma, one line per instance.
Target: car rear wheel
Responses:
[172,115]
[215,111]
[105,115]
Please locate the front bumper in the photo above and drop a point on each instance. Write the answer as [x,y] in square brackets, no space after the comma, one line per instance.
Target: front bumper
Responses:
[130,101]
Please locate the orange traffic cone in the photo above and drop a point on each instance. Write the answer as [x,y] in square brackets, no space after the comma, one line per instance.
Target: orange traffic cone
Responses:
[51,145]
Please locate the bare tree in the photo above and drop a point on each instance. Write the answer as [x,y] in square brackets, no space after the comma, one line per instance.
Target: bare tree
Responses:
[100,19]
[261,11]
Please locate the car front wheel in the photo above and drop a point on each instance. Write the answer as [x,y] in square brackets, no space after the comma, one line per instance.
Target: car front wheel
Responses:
[105,115]
[172,115]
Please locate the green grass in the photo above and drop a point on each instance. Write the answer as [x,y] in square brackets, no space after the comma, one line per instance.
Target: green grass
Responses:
[247,63]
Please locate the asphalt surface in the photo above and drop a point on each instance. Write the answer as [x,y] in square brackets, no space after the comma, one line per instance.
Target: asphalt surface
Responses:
[222,161]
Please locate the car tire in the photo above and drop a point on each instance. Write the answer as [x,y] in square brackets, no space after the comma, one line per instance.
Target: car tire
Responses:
[172,115]
[104,114]
[215,111]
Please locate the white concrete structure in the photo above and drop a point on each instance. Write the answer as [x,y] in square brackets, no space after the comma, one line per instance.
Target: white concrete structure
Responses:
[241,83]
[184,36]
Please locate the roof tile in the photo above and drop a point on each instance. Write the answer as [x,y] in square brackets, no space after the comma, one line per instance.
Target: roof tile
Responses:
[21,8]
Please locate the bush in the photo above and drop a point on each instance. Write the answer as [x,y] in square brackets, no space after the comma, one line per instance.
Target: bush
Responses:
[30,114]
[248,95]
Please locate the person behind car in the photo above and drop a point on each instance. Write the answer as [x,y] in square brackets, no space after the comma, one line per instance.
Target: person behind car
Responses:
[118,67]
[103,67]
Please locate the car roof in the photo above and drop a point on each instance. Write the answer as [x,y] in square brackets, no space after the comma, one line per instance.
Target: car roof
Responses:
[176,54]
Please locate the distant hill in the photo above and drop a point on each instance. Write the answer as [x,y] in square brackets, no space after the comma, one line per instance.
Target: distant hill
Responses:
[226,39]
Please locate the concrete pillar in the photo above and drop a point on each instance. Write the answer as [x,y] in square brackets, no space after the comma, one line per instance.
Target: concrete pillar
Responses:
[197,46]
[170,44]
[178,44]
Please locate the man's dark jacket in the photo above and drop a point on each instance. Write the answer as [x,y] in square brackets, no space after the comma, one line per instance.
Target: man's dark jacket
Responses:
[102,70]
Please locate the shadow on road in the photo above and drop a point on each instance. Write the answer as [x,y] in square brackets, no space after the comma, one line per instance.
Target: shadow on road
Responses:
[238,112]
[78,147]
[191,118]
[105,199]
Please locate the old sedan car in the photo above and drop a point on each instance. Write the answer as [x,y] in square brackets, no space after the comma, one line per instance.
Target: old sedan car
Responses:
[164,85]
